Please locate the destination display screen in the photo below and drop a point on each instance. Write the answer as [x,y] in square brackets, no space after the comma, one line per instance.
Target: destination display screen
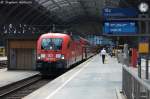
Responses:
[120,12]
[120,28]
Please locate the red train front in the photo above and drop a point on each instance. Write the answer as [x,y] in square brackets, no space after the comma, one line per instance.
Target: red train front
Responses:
[56,51]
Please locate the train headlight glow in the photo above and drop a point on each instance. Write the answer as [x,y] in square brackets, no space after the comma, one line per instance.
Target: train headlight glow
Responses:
[38,57]
[62,57]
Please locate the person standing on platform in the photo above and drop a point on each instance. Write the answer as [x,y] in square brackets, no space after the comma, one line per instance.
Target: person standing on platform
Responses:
[103,54]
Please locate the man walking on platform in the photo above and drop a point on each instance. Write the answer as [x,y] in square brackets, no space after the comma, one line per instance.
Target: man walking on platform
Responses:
[103,53]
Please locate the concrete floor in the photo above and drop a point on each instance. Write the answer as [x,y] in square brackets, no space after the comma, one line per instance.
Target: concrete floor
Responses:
[90,80]
[8,77]
[3,58]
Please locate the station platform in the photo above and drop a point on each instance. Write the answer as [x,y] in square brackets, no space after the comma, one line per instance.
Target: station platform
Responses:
[3,62]
[3,58]
[9,77]
[90,80]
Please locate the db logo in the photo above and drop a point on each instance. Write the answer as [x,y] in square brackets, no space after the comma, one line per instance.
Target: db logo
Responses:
[50,55]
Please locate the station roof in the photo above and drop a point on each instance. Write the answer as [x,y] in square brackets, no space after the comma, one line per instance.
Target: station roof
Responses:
[46,13]
[71,10]
[61,11]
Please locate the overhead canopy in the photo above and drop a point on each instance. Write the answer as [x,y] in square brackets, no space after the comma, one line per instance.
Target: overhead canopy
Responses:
[70,10]
[60,11]
[67,11]
[42,14]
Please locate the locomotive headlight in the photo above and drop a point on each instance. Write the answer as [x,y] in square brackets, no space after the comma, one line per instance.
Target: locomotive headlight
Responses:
[39,56]
[62,57]
[43,55]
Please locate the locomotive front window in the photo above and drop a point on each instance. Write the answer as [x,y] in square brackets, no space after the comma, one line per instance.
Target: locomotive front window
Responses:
[51,44]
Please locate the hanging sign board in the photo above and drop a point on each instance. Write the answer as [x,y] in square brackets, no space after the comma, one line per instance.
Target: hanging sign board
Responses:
[120,12]
[119,28]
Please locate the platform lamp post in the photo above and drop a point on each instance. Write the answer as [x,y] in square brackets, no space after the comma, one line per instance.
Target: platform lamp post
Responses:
[143,8]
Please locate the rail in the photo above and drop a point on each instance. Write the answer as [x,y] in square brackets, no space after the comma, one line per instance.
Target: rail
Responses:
[5,90]
[133,86]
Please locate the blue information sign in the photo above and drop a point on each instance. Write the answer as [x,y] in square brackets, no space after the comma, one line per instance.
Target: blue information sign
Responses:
[120,12]
[120,28]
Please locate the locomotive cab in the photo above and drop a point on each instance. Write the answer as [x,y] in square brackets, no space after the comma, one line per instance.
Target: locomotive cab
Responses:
[50,53]
[57,52]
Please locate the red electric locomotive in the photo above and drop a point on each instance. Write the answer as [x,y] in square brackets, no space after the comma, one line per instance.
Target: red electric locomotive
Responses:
[56,51]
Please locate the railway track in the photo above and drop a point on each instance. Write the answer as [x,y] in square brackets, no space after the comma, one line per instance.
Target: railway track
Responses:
[22,88]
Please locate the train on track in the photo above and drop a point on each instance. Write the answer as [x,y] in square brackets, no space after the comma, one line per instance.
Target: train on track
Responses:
[58,52]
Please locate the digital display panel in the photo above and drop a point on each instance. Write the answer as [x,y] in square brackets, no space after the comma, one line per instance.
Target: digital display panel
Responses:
[120,12]
[120,28]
